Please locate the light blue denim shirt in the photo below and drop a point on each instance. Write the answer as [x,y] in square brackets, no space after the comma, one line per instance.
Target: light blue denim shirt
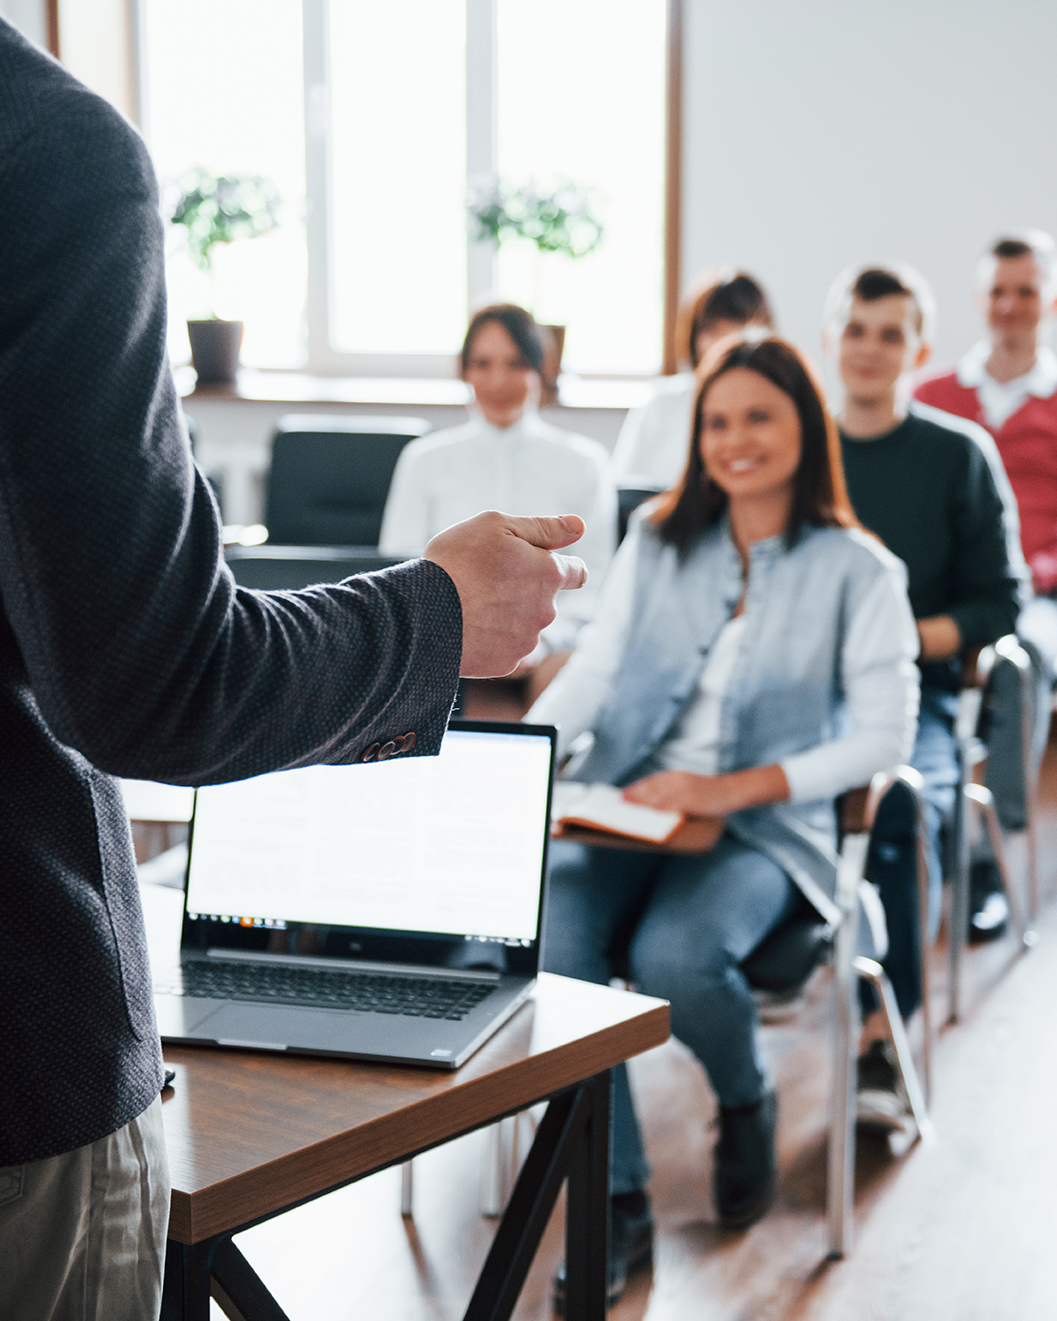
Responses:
[786,696]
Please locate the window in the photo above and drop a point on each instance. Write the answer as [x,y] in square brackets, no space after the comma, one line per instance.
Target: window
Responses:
[245,116]
[371,118]
[581,96]
[397,175]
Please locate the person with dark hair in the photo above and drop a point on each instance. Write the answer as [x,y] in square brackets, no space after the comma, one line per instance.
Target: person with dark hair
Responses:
[933,489]
[751,658]
[1008,384]
[506,457]
[651,447]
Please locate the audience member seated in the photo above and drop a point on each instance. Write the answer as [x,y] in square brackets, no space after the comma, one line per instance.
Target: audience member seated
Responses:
[1008,384]
[651,448]
[507,458]
[932,488]
[751,658]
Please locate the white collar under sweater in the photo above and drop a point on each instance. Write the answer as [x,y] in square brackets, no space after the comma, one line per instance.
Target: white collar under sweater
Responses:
[1000,400]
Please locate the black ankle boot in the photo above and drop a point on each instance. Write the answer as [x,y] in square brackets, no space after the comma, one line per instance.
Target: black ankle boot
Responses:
[630,1247]
[745,1168]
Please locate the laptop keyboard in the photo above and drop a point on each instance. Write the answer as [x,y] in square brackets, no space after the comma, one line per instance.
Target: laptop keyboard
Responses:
[418,997]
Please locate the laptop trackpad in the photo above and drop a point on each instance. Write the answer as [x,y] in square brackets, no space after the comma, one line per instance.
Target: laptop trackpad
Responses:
[180,1016]
[274,1027]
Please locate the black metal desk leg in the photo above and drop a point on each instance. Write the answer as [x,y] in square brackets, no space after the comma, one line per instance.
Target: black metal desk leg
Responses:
[215,1267]
[239,1290]
[572,1140]
[587,1210]
[185,1289]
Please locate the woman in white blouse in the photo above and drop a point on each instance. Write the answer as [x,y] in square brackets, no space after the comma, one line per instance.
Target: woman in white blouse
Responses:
[651,447]
[506,457]
[752,657]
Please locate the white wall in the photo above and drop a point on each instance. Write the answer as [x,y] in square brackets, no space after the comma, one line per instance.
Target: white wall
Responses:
[818,133]
[29,17]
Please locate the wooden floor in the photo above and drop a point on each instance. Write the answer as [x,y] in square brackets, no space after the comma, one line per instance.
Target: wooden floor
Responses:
[960,1229]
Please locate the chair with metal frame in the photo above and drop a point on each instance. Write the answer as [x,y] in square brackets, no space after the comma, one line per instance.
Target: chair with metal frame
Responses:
[975,801]
[788,957]
[628,500]
[781,965]
[330,476]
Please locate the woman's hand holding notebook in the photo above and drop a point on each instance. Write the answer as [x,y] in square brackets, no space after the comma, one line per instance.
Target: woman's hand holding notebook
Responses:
[603,807]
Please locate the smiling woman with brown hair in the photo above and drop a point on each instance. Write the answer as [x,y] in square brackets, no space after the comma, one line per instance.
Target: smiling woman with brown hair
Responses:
[751,658]
[506,457]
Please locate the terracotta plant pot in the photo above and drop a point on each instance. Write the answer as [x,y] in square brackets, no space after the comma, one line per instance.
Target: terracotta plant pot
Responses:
[554,345]
[215,348]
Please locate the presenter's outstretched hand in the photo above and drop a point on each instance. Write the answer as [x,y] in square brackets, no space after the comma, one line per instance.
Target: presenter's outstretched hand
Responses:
[507,573]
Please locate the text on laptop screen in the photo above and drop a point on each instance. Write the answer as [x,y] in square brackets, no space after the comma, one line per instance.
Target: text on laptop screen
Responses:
[450,844]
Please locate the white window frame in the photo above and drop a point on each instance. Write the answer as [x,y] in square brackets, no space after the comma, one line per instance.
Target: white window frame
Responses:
[481,158]
[322,359]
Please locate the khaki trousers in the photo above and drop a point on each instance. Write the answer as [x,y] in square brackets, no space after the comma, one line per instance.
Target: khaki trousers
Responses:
[82,1235]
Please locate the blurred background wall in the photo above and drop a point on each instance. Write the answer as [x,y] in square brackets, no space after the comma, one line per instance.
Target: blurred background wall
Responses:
[824,132]
[816,133]
[29,16]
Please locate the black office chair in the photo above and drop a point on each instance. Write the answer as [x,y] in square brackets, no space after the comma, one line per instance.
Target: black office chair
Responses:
[289,568]
[330,477]
[976,800]
[780,965]
[783,962]
[628,500]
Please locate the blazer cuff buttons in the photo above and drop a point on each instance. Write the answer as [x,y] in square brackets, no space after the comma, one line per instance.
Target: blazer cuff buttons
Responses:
[393,748]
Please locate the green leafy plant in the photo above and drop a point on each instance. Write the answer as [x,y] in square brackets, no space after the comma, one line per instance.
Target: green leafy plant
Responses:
[223,208]
[558,219]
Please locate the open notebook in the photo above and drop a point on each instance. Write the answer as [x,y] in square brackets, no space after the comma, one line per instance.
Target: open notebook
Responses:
[601,807]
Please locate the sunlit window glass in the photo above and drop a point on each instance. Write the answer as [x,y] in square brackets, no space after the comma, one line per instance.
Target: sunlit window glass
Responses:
[581,97]
[224,90]
[398,175]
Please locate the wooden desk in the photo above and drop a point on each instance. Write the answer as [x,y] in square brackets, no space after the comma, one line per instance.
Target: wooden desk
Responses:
[252,1135]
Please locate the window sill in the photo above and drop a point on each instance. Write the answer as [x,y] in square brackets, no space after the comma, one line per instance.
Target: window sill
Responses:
[296,388]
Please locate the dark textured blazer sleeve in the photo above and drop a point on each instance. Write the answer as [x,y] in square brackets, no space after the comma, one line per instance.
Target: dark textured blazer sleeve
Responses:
[140,650]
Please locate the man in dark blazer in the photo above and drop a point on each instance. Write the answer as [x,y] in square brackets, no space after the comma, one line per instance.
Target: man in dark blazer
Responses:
[127,650]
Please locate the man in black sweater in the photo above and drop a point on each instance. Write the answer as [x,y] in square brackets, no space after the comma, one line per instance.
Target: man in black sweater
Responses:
[127,650]
[932,487]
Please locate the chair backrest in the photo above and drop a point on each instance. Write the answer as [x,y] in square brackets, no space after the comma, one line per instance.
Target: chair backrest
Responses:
[788,956]
[330,477]
[785,959]
[289,568]
[628,500]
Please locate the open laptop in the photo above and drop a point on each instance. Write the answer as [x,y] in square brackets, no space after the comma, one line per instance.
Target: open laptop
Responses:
[389,911]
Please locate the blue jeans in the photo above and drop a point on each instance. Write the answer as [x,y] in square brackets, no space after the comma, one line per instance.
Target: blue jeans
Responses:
[678,927]
[892,862]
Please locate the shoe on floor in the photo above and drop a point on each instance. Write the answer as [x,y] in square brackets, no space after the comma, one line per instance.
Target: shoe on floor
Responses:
[988,906]
[745,1169]
[880,1101]
[630,1247]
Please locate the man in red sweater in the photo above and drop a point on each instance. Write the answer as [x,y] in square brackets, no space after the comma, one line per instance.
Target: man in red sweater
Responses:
[1008,383]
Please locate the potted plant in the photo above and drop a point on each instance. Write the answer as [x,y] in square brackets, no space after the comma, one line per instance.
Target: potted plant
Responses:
[216,209]
[560,219]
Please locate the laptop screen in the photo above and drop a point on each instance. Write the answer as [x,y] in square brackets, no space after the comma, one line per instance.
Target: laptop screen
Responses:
[347,860]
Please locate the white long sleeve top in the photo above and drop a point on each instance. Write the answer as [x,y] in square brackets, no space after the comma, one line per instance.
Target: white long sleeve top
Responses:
[881,704]
[655,439]
[528,468]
